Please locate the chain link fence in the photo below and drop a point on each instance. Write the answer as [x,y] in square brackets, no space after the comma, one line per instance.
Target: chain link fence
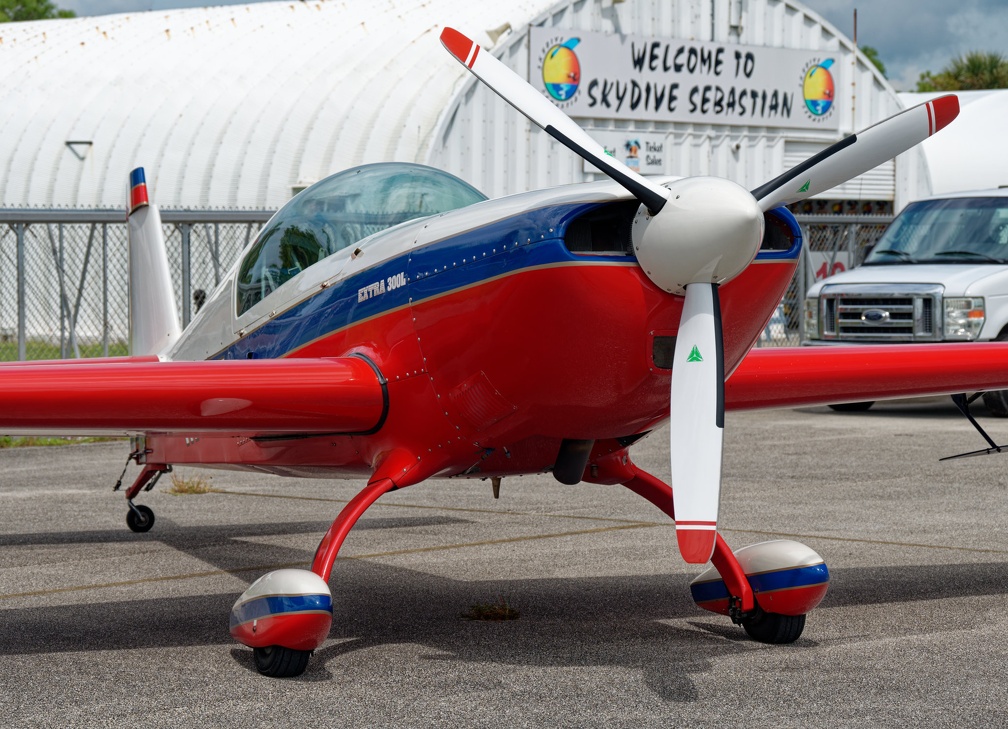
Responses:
[63,274]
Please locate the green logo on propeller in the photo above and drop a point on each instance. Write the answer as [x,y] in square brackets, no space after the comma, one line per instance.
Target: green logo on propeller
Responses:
[694,355]
[804,188]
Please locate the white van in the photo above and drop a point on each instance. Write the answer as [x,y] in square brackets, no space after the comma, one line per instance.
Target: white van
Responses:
[938,274]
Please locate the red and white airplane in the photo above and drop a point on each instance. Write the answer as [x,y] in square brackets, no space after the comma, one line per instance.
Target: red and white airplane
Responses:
[391,323]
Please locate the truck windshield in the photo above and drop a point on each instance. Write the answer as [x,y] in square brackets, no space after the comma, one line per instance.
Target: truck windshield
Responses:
[957,230]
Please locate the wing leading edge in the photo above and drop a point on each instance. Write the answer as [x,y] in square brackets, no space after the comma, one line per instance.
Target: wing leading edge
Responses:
[798,376]
[345,395]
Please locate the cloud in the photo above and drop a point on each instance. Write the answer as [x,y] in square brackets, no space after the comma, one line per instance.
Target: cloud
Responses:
[913,36]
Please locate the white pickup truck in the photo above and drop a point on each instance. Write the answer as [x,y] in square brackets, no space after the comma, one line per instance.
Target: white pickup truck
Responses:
[938,274]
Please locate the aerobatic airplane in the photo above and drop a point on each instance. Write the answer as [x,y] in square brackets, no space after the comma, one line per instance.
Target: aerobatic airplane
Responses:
[390,323]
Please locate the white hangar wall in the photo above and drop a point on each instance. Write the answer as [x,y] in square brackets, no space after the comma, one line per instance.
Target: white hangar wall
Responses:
[521,156]
[229,106]
[239,106]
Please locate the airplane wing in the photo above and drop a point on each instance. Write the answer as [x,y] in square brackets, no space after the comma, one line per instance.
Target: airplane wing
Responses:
[117,396]
[796,376]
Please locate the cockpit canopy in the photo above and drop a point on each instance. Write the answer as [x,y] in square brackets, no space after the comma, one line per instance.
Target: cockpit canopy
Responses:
[338,212]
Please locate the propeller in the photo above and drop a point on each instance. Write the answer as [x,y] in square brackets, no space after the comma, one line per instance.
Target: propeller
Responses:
[689,237]
[858,153]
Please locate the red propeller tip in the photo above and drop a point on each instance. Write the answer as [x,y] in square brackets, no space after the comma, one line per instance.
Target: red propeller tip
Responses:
[946,108]
[696,544]
[456,43]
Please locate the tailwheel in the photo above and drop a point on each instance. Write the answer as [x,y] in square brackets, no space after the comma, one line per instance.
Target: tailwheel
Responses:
[139,518]
[278,662]
[773,627]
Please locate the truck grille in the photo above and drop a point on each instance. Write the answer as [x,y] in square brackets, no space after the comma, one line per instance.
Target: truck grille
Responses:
[881,313]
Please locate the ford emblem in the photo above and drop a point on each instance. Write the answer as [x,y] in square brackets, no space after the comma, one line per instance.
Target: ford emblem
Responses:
[875,315]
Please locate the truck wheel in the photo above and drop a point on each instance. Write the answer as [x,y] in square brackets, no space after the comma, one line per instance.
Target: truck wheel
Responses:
[856,407]
[997,403]
[997,400]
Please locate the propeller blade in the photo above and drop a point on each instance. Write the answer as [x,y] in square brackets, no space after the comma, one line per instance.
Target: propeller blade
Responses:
[516,91]
[858,153]
[697,422]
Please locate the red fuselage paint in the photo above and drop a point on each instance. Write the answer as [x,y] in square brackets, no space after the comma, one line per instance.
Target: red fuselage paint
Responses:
[487,380]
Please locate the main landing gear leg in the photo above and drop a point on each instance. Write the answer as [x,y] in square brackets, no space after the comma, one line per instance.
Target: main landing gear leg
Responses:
[286,614]
[328,548]
[788,578]
[659,493]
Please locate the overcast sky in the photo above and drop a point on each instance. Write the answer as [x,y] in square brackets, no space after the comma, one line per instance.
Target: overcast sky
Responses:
[911,36]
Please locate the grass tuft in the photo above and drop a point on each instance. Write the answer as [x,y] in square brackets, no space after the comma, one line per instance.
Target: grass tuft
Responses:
[499,610]
[190,485]
[16,441]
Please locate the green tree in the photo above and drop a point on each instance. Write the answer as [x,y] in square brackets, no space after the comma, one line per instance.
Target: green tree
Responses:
[17,10]
[873,55]
[975,70]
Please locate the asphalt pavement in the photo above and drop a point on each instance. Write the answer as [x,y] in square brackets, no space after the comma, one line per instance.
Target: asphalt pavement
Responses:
[103,627]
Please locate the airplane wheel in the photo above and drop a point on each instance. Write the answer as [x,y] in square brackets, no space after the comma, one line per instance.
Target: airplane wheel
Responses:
[852,407]
[277,662]
[773,628]
[140,518]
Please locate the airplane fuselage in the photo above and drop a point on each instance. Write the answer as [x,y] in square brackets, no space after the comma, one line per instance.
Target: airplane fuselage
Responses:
[498,336]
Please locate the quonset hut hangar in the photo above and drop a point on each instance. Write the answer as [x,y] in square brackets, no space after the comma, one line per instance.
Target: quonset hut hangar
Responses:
[241,106]
[233,109]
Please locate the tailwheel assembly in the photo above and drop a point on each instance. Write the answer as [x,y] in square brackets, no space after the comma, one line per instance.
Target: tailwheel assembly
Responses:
[139,518]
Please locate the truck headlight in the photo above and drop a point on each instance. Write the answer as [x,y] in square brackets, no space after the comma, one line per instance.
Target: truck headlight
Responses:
[964,318]
[812,318]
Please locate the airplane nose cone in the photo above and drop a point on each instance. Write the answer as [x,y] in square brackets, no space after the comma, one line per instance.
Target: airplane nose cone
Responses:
[708,232]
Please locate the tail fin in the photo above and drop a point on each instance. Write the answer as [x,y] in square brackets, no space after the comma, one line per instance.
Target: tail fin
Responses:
[153,320]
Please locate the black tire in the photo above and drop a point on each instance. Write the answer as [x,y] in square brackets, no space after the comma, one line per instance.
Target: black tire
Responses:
[277,662]
[773,628]
[140,519]
[997,403]
[852,407]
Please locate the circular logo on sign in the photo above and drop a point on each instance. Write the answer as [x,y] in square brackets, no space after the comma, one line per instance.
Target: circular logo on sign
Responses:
[818,88]
[561,70]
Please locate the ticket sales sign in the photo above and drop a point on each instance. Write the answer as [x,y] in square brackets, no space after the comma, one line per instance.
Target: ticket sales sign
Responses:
[609,76]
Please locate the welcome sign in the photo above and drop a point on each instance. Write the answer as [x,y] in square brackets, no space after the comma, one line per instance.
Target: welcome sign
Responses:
[644,78]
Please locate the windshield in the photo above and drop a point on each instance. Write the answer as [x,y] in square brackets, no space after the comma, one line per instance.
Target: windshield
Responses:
[338,212]
[959,230]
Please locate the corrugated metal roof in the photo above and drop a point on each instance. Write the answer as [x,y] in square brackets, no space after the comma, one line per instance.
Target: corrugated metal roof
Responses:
[235,106]
[225,106]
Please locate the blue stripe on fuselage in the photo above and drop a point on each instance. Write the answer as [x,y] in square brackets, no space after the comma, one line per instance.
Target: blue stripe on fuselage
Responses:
[504,246]
[532,239]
